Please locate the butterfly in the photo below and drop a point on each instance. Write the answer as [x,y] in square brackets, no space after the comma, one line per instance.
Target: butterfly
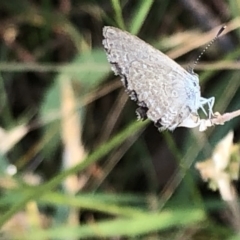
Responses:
[165,92]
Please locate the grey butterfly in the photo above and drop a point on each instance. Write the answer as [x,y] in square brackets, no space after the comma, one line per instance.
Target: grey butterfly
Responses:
[165,92]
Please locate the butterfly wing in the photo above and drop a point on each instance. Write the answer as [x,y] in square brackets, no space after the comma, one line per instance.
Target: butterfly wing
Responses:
[159,83]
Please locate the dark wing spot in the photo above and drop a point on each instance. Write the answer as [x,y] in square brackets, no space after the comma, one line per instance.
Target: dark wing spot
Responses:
[132,94]
[158,123]
[141,113]
[142,104]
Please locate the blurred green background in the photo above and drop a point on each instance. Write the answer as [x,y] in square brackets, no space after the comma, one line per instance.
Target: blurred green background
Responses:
[75,163]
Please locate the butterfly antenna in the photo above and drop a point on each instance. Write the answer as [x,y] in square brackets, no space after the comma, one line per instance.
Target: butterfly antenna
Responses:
[208,45]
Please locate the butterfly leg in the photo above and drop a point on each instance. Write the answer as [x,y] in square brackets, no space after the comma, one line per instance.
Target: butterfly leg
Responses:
[210,103]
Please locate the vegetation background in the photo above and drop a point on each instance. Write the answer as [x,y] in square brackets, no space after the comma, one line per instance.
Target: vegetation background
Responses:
[75,163]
